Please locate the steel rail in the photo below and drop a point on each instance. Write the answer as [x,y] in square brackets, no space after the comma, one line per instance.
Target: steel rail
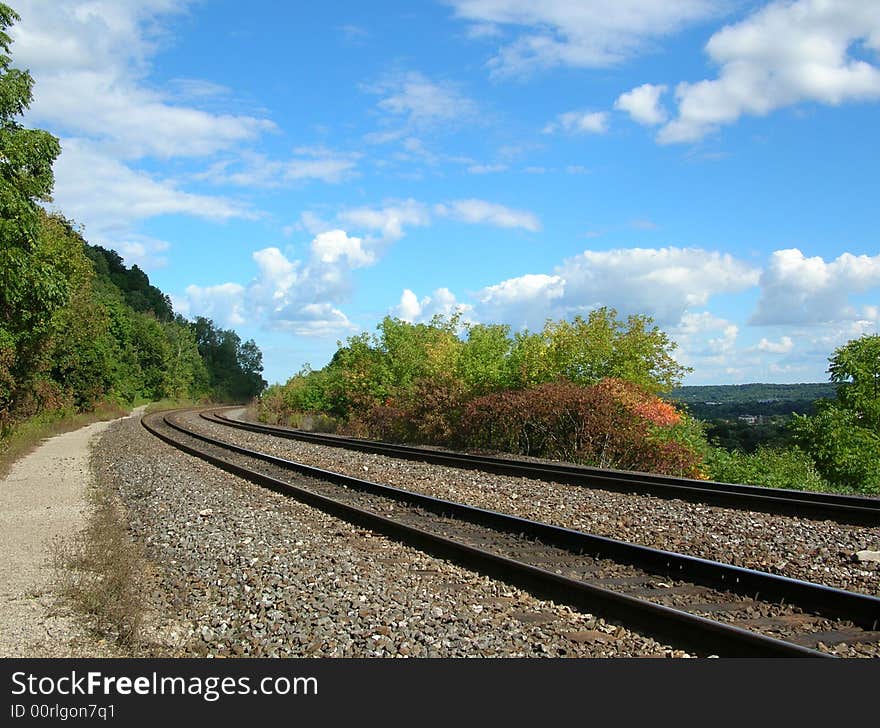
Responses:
[856,510]
[665,622]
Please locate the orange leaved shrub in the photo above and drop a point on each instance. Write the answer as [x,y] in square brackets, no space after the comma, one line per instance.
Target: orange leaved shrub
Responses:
[612,424]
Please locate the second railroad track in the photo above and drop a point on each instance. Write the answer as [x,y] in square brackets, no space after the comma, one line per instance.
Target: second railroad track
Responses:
[851,509]
[697,604]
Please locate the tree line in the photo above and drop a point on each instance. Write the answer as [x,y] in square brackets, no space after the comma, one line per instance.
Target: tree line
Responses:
[78,327]
[586,390]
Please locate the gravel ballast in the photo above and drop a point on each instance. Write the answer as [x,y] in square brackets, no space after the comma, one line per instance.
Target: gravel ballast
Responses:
[819,551]
[239,570]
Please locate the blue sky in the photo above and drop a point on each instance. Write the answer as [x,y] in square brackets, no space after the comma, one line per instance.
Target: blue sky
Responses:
[297,171]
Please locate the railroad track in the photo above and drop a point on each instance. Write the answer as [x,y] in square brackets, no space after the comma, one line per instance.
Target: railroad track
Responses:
[701,605]
[802,504]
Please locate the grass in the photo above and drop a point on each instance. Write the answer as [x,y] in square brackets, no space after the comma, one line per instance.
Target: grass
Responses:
[100,573]
[27,435]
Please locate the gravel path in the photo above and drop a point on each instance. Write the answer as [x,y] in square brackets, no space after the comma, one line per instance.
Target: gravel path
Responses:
[818,551]
[41,499]
[244,571]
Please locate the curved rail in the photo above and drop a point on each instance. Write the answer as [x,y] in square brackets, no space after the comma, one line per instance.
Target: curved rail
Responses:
[804,504]
[669,623]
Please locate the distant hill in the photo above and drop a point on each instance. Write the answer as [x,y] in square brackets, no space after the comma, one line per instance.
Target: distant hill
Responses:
[732,400]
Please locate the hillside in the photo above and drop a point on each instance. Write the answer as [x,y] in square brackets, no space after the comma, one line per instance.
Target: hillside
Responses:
[724,401]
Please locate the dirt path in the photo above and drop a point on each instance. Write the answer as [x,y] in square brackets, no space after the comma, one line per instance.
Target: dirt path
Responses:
[42,498]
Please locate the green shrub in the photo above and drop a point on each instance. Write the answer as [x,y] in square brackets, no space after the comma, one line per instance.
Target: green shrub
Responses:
[845,452]
[772,467]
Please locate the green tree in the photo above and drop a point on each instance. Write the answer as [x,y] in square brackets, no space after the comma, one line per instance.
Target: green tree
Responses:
[845,453]
[482,362]
[855,368]
[585,351]
[234,368]
[843,437]
[31,287]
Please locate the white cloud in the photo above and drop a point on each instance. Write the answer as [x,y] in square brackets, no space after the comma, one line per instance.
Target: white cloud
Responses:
[315,319]
[134,122]
[223,303]
[418,101]
[706,342]
[298,296]
[664,283]
[579,122]
[112,198]
[110,194]
[143,251]
[643,104]
[390,219]
[88,60]
[783,54]
[440,302]
[251,169]
[480,211]
[580,34]
[783,346]
[800,290]
[409,308]
[310,222]
[331,246]
[676,286]
[523,302]
[487,168]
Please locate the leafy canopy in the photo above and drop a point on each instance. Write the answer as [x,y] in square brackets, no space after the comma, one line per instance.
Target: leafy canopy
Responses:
[843,438]
[855,367]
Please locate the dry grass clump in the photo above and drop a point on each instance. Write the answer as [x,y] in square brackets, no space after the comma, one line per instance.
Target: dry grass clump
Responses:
[100,571]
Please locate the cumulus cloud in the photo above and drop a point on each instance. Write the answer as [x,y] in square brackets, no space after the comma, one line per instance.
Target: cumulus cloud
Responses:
[783,54]
[523,302]
[333,245]
[664,283]
[643,104]
[579,34]
[440,302]
[579,122]
[224,302]
[300,296]
[800,290]
[706,342]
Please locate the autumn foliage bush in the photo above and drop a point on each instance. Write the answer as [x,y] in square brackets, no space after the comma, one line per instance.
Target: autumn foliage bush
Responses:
[612,424]
[428,414]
